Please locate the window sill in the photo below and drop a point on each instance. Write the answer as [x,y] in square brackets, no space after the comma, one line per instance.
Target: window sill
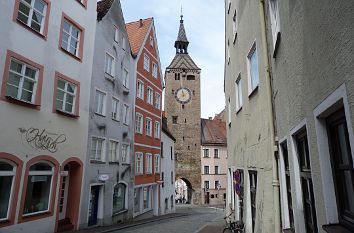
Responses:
[119,212]
[66,114]
[35,216]
[336,228]
[82,4]
[288,230]
[126,163]
[22,103]
[234,39]
[116,120]
[97,162]
[276,46]
[99,114]
[70,54]
[125,90]
[109,77]
[44,37]
[253,92]
[238,110]
[138,174]
[116,163]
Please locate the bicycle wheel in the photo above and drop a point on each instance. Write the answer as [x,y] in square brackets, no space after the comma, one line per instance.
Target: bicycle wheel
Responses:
[227,230]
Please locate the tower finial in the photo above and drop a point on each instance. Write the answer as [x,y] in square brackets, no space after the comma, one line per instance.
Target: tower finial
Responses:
[181,13]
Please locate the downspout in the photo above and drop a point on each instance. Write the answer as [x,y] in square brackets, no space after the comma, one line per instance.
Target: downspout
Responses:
[274,150]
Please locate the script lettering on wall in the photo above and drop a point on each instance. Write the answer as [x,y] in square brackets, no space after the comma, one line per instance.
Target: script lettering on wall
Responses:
[42,139]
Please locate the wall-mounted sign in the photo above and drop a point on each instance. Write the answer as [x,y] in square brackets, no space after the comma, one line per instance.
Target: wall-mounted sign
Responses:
[103,177]
[42,139]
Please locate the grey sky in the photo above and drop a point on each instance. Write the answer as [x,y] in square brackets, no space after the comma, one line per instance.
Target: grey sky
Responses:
[204,23]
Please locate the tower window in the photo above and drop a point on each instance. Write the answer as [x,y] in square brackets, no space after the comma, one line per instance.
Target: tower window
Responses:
[189,148]
[190,77]
[183,138]
[185,120]
[193,92]
[174,119]
[182,106]
[177,76]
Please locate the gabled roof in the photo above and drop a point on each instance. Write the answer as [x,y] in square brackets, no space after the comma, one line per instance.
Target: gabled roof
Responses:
[137,32]
[103,7]
[183,61]
[213,132]
[220,116]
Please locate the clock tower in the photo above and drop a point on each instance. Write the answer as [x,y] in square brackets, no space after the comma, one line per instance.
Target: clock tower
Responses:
[182,108]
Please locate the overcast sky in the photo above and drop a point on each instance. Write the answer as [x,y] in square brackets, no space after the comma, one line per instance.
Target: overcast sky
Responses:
[204,23]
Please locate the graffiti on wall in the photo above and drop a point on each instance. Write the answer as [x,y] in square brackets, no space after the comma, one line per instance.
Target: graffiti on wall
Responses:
[43,140]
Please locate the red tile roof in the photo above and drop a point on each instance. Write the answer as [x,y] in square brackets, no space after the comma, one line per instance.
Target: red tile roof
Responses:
[213,132]
[137,32]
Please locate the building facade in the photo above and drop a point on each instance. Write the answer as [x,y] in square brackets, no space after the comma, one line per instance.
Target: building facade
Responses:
[148,115]
[47,54]
[252,177]
[168,192]
[108,184]
[314,105]
[213,161]
[182,107]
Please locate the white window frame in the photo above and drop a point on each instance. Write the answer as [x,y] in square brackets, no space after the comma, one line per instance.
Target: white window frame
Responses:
[253,51]
[126,114]
[206,166]
[110,70]
[139,164]
[151,41]
[274,22]
[234,26]
[148,126]
[115,108]
[66,93]
[126,78]
[157,129]
[229,111]
[22,80]
[116,34]
[204,151]
[116,142]
[124,42]
[146,62]
[13,175]
[127,153]
[228,52]
[157,163]
[238,90]
[157,100]
[103,149]
[154,70]
[103,102]
[70,37]
[140,89]
[139,125]
[148,163]
[216,149]
[31,13]
[150,96]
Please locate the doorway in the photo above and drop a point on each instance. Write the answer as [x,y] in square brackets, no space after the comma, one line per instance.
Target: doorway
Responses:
[93,206]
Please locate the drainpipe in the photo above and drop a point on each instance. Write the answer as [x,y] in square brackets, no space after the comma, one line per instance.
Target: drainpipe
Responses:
[274,150]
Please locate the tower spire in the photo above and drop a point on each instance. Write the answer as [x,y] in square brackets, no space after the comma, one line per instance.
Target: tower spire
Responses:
[181,44]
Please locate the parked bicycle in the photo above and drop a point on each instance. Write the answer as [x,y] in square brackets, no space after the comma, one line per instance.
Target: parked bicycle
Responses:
[232,226]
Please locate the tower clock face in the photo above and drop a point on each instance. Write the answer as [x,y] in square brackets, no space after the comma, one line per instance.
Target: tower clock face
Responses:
[183,95]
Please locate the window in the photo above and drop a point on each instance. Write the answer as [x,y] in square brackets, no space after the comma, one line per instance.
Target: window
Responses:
[124,43]
[140,90]
[342,166]
[289,208]
[138,163]
[148,127]
[172,178]
[119,192]
[113,151]
[171,151]
[174,119]
[239,187]
[158,101]
[253,75]
[234,26]
[216,170]
[151,41]
[116,34]
[306,181]
[97,146]
[172,201]
[100,104]
[217,184]
[115,109]
[163,179]
[148,163]
[216,153]
[157,164]
[109,65]
[38,191]
[229,111]
[206,170]
[253,191]
[157,129]
[65,96]
[206,185]
[190,77]
[228,6]
[125,153]
[238,88]
[137,195]
[146,198]
[125,114]
[146,62]
[22,81]
[228,52]
[154,70]
[139,123]
[274,21]
[126,78]
[71,40]
[150,96]
[34,14]
[206,153]
[7,175]
[177,77]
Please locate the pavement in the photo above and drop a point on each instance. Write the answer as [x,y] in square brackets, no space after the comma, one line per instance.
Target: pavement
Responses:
[188,218]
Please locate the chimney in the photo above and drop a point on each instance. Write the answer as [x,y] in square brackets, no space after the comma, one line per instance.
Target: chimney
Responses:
[141,22]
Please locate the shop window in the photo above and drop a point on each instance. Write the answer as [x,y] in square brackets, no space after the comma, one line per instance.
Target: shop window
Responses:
[119,194]
[7,174]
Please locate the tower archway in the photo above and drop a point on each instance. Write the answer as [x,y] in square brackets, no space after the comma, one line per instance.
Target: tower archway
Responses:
[184,191]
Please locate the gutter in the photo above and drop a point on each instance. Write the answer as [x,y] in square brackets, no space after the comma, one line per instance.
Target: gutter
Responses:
[271,117]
